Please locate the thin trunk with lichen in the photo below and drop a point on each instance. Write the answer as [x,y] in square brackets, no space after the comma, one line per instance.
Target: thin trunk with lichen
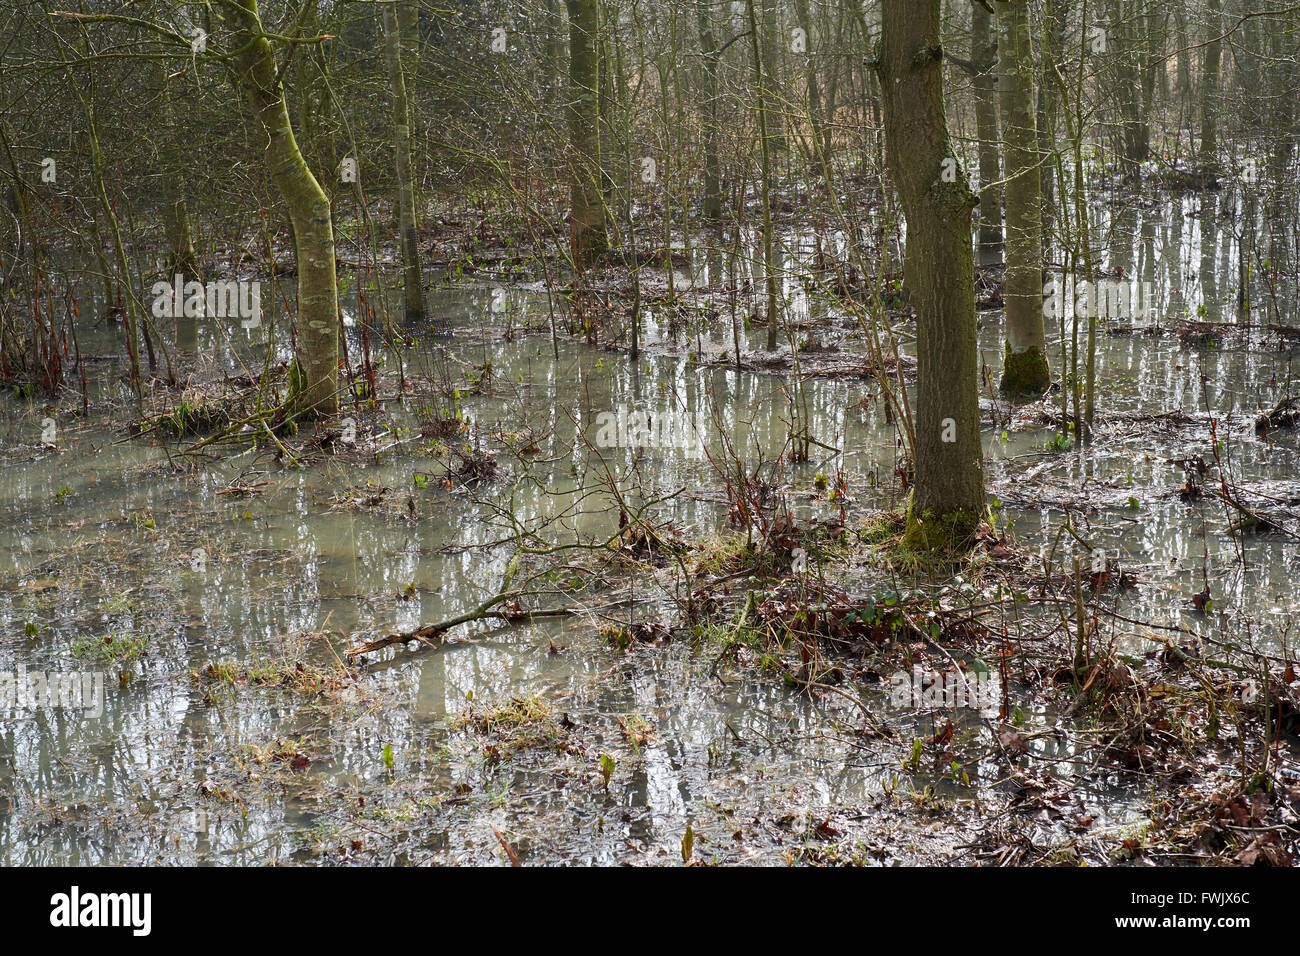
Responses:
[766,148]
[314,381]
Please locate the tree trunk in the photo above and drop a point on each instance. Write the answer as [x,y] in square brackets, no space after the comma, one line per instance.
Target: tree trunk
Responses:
[1134,76]
[175,211]
[555,52]
[314,387]
[712,168]
[1054,36]
[767,147]
[948,499]
[1024,370]
[180,242]
[587,226]
[605,104]
[1208,156]
[407,222]
[983,55]
[408,30]
[1184,58]
[770,24]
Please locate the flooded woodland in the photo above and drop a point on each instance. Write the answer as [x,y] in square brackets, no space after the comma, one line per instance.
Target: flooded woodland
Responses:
[653,432]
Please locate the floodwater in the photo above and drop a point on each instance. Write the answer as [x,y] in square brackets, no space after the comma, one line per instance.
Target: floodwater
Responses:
[162,573]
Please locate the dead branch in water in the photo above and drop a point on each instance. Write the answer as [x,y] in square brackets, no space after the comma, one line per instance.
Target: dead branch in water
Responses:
[431,635]
[1285,414]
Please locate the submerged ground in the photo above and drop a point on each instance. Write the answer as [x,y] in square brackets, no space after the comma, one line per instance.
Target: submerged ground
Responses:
[218,590]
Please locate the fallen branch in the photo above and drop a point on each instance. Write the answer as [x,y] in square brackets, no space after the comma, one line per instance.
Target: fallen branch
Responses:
[1252,523]
[430,635]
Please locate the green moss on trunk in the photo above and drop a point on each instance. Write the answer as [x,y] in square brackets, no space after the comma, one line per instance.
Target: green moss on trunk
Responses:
[950,531]
[1025,374]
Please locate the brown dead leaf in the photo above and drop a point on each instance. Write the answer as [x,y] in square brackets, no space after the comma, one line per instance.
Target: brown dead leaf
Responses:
[1013,741]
